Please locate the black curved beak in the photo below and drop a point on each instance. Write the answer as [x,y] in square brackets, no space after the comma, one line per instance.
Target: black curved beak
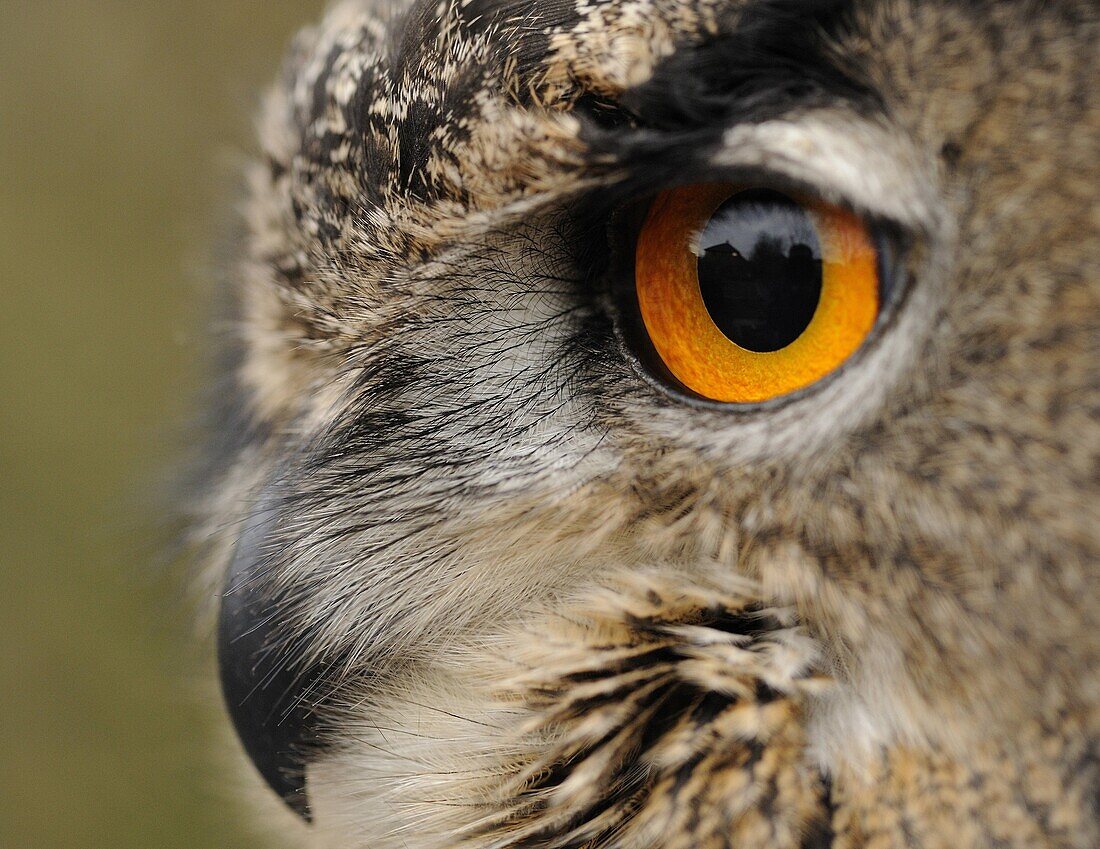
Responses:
[268,701]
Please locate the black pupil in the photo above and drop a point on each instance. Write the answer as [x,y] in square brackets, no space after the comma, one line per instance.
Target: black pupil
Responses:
[760,269]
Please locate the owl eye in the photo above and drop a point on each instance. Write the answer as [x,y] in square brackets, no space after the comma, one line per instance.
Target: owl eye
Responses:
[747,293]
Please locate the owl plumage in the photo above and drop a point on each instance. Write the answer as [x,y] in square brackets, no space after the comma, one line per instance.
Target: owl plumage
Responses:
[485,582]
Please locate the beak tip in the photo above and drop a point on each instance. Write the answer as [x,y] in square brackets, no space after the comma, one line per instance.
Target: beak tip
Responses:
[263,694]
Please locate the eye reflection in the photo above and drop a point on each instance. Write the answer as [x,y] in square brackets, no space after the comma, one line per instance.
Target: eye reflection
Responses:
[759,265]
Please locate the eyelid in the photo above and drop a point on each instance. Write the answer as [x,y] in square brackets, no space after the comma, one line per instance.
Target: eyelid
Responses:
[848,160]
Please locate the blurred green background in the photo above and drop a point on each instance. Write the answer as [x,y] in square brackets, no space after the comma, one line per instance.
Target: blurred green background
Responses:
[120,127]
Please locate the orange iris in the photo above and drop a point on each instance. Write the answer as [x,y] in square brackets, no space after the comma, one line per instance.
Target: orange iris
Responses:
[681,322]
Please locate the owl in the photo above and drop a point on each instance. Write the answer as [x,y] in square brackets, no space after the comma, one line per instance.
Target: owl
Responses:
[652,424]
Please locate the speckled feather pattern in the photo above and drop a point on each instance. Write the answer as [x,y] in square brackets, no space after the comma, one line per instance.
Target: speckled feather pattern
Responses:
[675,715]
[549,606]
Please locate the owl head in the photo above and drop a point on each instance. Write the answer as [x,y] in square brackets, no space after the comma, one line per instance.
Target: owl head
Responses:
[669,423]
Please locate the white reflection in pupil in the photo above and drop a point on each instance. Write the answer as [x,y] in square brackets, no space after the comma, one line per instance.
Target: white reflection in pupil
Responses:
[760,269]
